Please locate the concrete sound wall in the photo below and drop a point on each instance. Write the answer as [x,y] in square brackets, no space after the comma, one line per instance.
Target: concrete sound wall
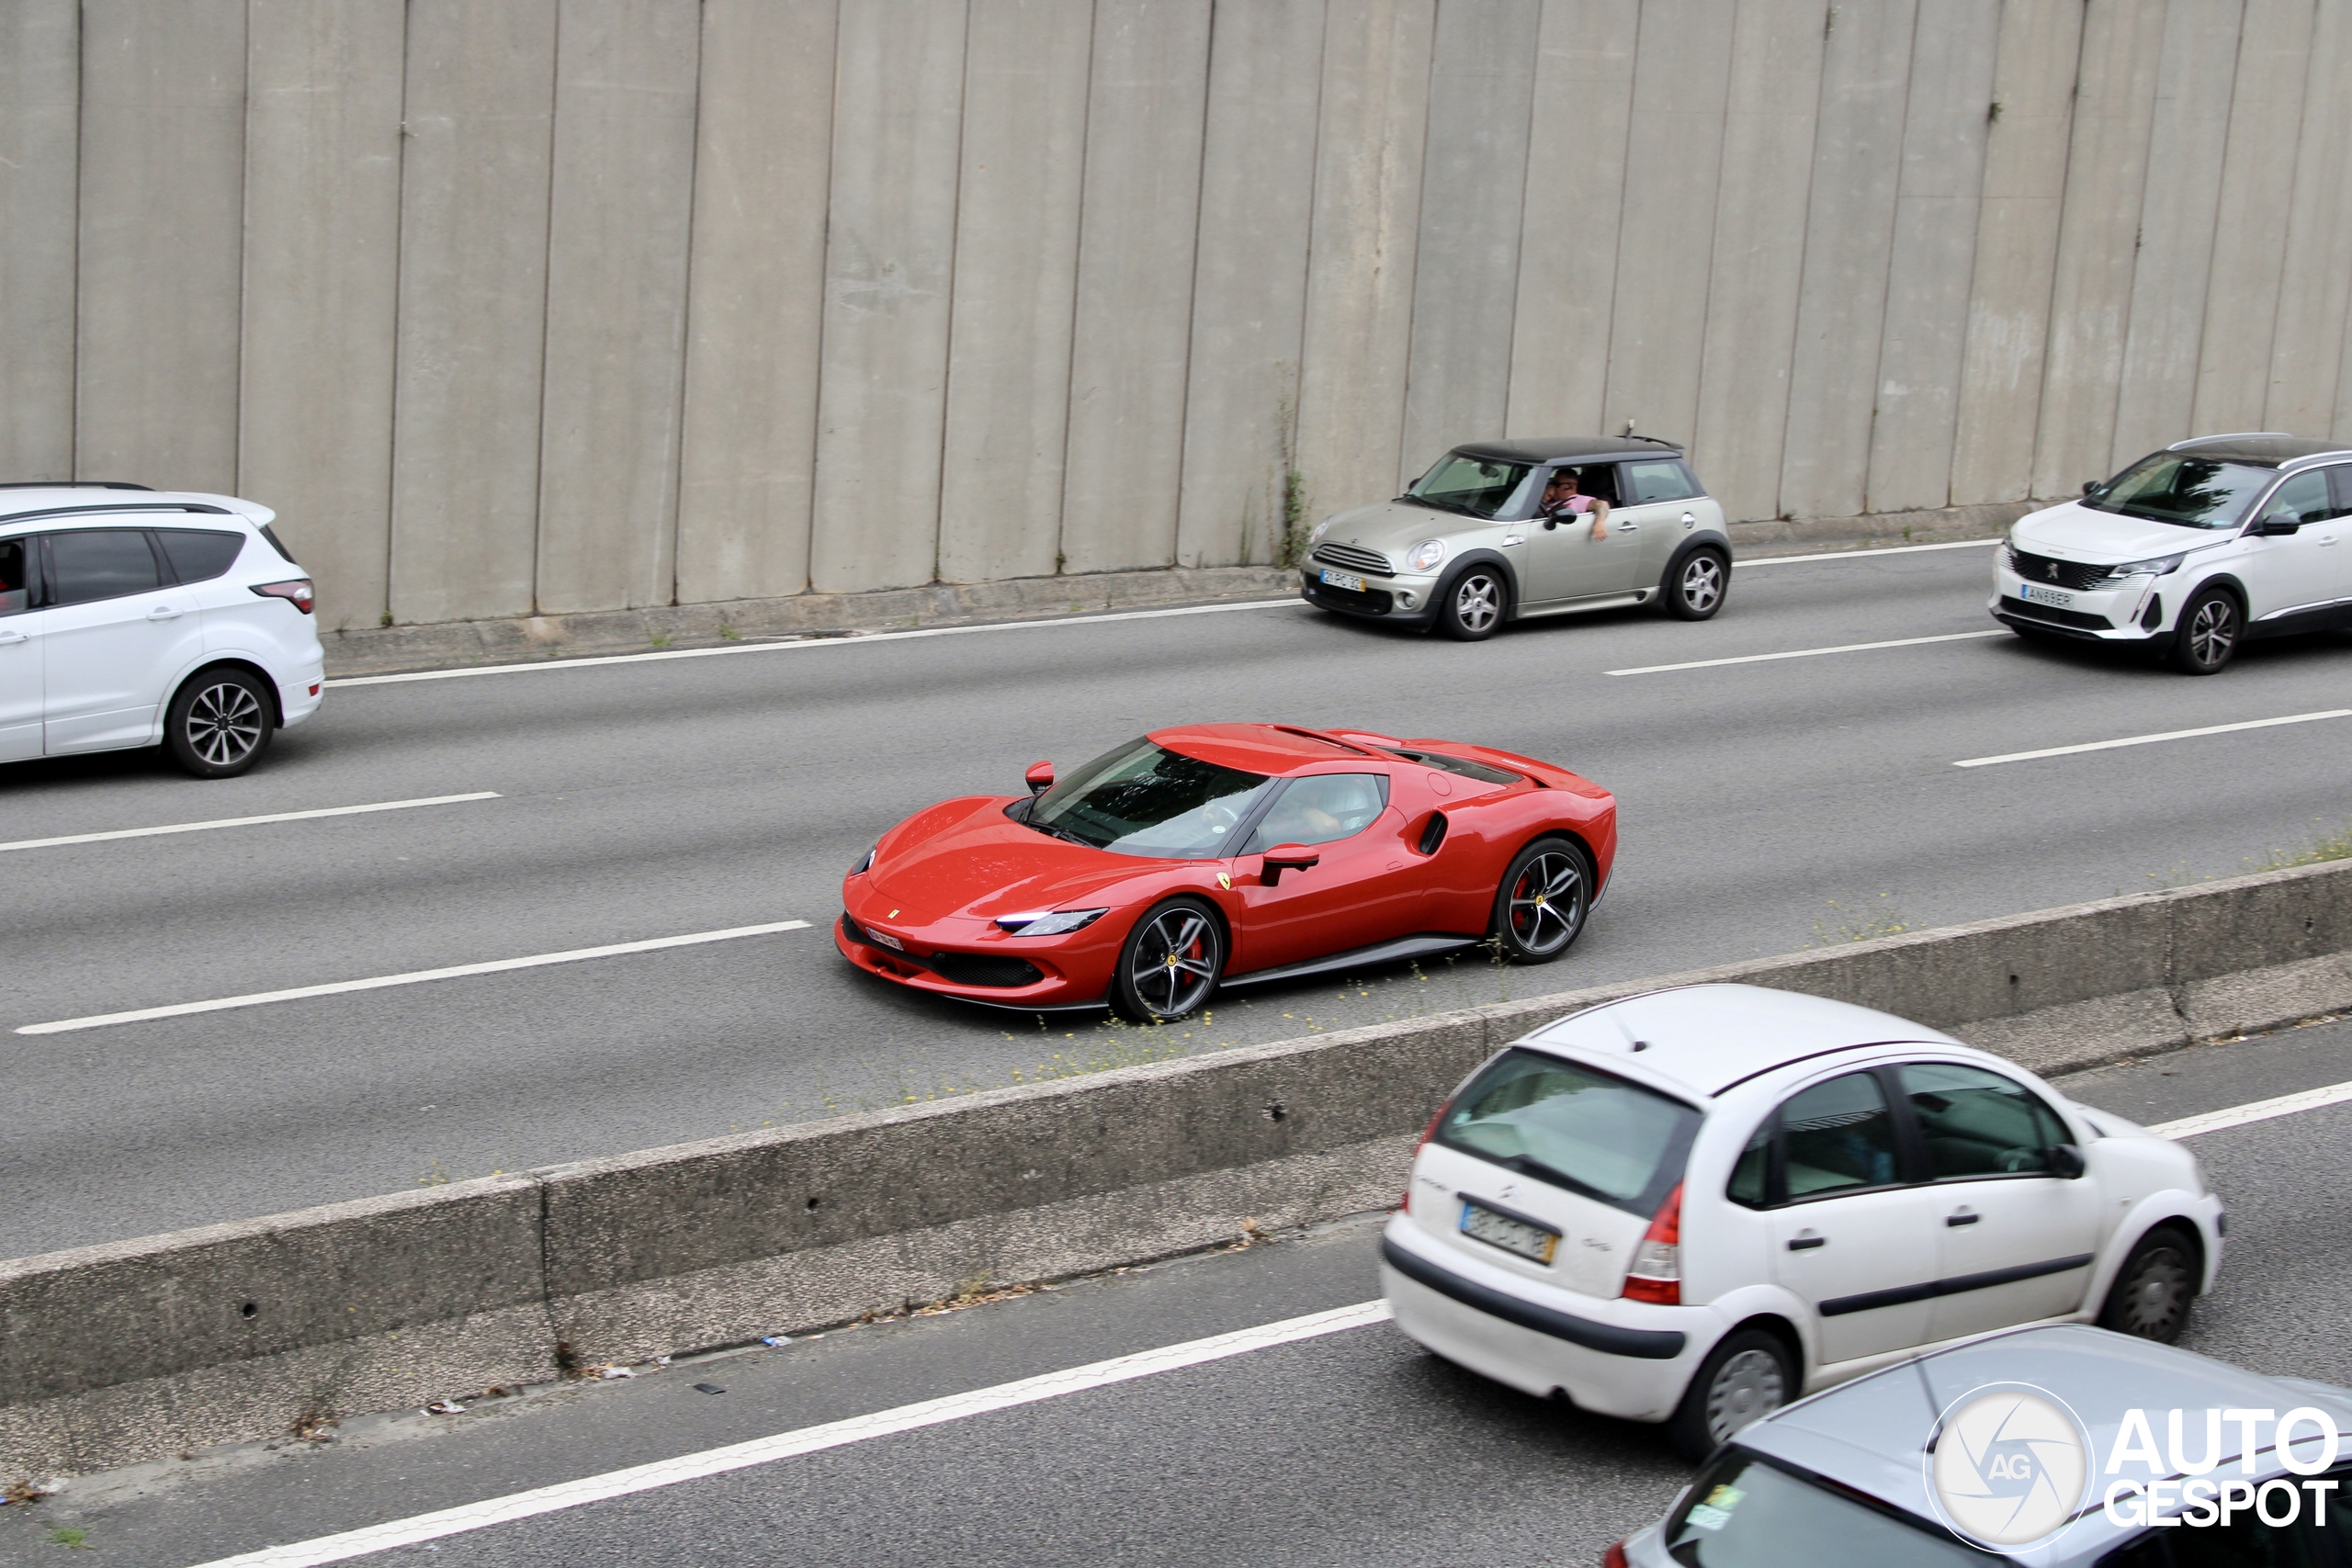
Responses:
[115,1353]
[554,307]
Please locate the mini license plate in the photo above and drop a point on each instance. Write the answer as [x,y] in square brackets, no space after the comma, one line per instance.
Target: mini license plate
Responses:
[2034,593]
[1496,1229]
[1346,580]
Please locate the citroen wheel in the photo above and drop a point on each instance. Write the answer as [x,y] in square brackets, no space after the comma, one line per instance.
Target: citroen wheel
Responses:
[1695,591]
[219,724]
[2153,1290]
[1472,609]
[1171,964]
[1540,907]
[2211,629]
[1748,1375]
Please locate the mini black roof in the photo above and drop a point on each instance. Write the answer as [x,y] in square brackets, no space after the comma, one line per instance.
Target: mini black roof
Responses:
[2265,450]
[1554,448]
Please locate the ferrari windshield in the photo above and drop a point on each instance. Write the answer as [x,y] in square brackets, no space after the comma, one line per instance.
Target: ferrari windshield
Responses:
[1144,799]
[1475,487]
[2194,493]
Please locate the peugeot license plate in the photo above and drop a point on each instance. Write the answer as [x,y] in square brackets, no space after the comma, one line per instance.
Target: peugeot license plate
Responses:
[1346,580]
[1511,1234]
[2034,593]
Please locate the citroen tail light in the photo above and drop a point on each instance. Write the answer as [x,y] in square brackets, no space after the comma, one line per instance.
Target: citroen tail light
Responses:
[1656,1273]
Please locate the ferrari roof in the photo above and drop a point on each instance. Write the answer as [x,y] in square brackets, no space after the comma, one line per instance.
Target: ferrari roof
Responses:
[1273,749]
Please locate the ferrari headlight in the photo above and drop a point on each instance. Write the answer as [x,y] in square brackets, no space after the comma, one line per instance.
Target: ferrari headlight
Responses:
[865,862]
[2155,566]
[1426,554]
[1056,923]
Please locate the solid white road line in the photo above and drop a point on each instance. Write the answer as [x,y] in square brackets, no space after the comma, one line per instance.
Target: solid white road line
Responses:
[1863,554]
[414,977]
[806,1440]
[1809,652]
[2151,739]
[247,821]
[2260,1110]
[804,644]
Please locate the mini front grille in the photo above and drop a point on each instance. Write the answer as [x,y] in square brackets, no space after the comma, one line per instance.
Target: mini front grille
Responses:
[2060,573]
[981,969]
[1353,557]
[2055,616]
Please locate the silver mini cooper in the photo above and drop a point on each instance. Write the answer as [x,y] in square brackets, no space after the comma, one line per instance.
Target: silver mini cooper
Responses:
[1503,530]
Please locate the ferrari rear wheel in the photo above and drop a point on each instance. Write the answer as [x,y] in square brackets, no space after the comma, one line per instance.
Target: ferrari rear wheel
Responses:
[1540,907]
[1171,963]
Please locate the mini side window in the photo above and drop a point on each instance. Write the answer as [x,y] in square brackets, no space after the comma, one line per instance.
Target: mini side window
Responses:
[1665,480]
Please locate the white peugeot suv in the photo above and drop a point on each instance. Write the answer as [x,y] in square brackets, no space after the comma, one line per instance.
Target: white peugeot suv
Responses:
[2190,551]
[133,617]
[1693,1206]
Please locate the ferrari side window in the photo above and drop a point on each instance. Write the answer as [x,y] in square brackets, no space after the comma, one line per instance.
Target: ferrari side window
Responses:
[1319,809]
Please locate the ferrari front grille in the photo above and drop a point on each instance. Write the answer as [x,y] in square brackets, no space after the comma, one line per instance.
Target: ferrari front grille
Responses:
[1353,557]
[983,969]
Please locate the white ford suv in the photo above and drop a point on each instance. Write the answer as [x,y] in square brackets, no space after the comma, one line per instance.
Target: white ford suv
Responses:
[2190,551]
[133,617]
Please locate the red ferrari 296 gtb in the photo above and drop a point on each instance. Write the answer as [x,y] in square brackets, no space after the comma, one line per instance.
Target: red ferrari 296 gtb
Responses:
[1228,853]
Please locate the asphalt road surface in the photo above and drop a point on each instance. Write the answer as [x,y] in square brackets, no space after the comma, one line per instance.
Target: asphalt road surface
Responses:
[1351,1448]
[1766,806]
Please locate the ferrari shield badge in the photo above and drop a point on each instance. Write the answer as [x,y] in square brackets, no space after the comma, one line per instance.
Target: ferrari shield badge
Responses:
[1225,881]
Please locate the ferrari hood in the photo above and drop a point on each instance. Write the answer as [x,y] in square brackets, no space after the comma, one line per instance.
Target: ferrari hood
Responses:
[2072,531]
[966,858]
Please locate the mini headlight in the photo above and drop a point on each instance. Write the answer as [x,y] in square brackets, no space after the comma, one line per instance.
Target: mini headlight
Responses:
[1056,923]
[1426,554]
[2155,566]
[1321,529]
[865,862]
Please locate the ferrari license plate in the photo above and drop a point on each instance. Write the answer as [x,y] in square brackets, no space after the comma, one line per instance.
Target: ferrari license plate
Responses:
[1346,580]
[887,940]
[1497,1229]
[2034,593]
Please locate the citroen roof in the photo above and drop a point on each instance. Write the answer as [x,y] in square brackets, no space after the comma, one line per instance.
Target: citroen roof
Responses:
[1707,1039]
[1581,448]
[2257,448]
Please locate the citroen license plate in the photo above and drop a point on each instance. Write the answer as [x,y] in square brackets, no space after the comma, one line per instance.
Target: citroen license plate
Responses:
[1508,1232]
[1346,580]
[2034,593]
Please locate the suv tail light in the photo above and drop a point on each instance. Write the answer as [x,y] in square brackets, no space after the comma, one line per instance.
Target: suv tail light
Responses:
[1405,1204]
[1656,1273]
[295,590]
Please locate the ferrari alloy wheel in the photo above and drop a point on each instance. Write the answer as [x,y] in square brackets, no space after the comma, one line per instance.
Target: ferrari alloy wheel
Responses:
[2208,633]
[1540,907]
[219,724]
[1172,963]
[1696,591]
[1473,605]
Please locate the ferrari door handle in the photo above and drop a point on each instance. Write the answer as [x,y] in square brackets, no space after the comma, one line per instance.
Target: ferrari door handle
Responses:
[1962,1219]
[163,612]
[1807,1243]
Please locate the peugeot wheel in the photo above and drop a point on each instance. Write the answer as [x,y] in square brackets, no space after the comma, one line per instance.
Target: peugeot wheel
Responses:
[2211,629]
[1748,1375]
[219,724]
[1695,592]
[2154,1288]
[1540,907]
[1171,965]
[1472,606]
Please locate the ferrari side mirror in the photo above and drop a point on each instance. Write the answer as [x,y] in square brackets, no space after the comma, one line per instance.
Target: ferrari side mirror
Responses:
[1040,777]
[1282,858]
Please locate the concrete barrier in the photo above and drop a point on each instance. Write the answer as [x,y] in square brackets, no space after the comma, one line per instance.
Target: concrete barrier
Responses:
[115,1353]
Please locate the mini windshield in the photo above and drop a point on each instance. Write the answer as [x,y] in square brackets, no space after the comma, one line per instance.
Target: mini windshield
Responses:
[1475,487]
[2192,493]
[1743,1513]
[1575,1127]
[1144,799]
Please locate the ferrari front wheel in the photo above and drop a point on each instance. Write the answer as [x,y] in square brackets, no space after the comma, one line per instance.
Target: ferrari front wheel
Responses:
[1171,965]
[1540,907]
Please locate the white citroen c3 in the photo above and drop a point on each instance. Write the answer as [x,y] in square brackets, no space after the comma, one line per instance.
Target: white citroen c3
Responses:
[1694,1205]
[2190,551]
[132,617]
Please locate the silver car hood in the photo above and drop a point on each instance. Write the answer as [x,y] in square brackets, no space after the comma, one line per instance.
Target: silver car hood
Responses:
[1392,528]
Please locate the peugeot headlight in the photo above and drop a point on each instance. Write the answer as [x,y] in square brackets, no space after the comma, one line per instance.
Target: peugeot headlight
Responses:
[2155,566]
[1426,554]
[865,862]
[1056,923]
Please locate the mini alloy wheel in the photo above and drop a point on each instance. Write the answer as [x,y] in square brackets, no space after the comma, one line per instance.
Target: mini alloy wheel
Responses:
[219,724]
[1697,591]
[1171,965]
[2153,1289]
[1744,1379]
[2210,632]
[1472,606]
[1540,910]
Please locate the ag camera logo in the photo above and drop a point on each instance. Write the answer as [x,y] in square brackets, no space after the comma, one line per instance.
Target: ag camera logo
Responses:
[2011,1467]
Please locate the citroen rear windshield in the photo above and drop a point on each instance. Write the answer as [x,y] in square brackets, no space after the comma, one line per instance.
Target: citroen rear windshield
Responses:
[2190,493]
[1475,487]
[1575,1127]
[1144,799]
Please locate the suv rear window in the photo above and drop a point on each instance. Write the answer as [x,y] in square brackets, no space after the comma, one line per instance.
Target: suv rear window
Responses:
[1574,1126]
[1743,1513]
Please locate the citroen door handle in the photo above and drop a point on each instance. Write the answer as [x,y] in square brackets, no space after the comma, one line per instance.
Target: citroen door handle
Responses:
[163,613]
[6,637]
[1806,1242]
[1962,1219]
